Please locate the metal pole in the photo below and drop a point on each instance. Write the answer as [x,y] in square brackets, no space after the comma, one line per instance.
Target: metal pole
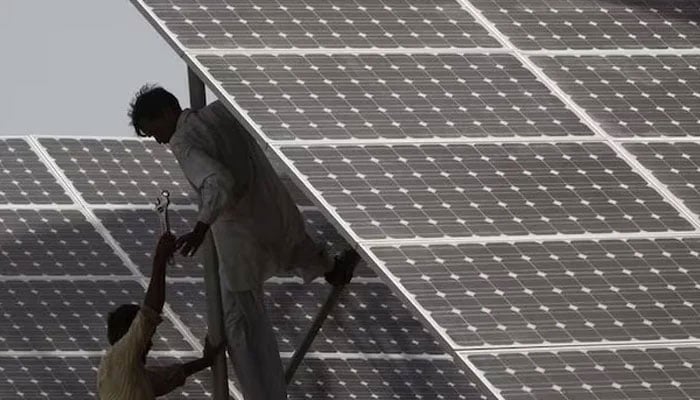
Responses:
[299,354]
[198,96]
[215,324]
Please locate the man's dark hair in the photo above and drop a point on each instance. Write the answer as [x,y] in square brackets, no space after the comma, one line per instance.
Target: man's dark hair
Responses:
[119,321]
[150,102]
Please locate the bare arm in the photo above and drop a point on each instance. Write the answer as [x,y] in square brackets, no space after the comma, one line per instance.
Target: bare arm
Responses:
[155,295]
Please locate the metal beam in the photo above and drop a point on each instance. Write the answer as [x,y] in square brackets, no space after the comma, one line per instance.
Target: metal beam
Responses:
[198,99]
[198,94]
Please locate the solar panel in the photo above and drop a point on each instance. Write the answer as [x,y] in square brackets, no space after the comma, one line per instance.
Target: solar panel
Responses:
[47,242]
[368,319]
[676,165]
[632,95]
[381,379]
[393,96]
[119,171]
[634,373]
[598,24]
[554,292]
[65,315]
[434,191]
[124,171]
[233,24]
[137,232]
[73,377]
[24,179]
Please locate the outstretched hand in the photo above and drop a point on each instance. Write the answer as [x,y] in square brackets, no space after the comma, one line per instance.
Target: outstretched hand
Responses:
[190,242]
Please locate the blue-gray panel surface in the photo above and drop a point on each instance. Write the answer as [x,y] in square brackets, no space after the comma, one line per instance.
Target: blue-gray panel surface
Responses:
[438,191]
[628,96]
[368,318]
[595,24]
[554,292]
[677,165]
[24,179]
[333,24]
[64,315]
[50,242]
[393,96]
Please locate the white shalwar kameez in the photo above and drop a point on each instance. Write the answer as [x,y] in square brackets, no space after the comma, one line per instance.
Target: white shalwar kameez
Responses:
[257,232]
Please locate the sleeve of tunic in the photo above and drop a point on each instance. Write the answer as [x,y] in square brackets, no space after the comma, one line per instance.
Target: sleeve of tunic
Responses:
[211,179]
[133,344]
[165,379]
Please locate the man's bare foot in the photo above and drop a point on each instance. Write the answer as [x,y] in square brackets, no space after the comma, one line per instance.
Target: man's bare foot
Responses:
[344,266]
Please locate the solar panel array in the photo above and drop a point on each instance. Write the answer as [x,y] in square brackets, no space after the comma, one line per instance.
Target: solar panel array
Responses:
[70,257]
[501,164]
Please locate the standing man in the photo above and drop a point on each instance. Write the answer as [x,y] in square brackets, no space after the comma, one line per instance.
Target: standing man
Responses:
[257,228]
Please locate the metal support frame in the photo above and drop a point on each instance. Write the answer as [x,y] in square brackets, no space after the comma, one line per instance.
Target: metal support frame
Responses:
[299,354]
[215,324]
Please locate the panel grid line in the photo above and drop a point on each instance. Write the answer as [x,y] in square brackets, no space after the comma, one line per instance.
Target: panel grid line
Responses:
[587,347]
[351,51]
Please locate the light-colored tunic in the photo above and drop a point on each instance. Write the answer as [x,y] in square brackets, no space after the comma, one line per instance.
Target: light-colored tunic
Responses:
[257,228]
[122,374]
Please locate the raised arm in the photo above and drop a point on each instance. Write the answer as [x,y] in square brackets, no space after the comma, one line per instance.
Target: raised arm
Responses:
[155,295]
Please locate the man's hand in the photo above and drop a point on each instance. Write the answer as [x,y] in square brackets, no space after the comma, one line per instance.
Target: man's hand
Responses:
[190,242]
[165,248]
[210,351]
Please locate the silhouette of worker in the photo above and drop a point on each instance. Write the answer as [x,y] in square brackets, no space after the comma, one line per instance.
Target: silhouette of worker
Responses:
[257,228]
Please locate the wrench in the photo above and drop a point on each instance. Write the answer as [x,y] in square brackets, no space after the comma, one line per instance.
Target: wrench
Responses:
[162,203]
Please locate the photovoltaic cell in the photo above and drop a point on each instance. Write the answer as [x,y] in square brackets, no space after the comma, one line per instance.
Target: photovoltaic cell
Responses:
[381,379]
[433,191]
[660,373]
[633,95]
[120,171]
[598,24]
[75,377]
[283,24]
[368,318]
[24,179]
[65,315]
[677,165]
[372,96]
[53,243]
[554,292]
